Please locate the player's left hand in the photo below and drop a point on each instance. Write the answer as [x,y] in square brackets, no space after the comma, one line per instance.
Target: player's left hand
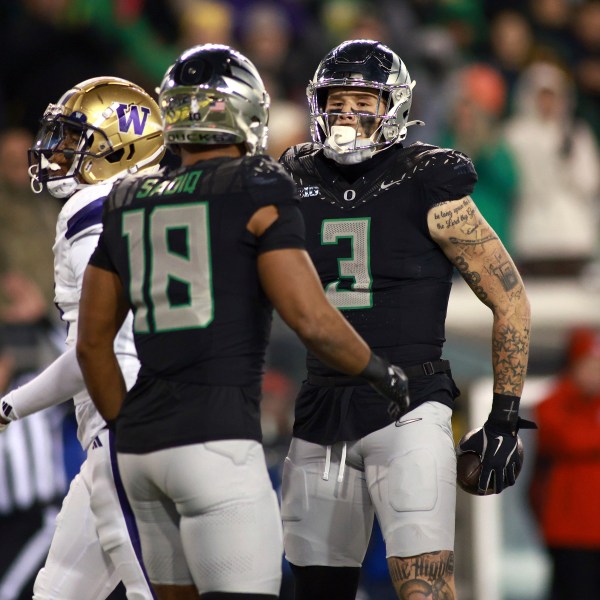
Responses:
[3,425]
[5,411]
[496,444]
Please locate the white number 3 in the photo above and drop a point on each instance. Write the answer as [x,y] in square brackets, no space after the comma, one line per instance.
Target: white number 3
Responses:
[356,268]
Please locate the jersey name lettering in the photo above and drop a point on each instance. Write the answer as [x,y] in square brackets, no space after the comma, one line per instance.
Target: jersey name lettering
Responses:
[165,187]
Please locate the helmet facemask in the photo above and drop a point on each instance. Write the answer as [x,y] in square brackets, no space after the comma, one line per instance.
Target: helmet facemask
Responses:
[59,154]
[352,137]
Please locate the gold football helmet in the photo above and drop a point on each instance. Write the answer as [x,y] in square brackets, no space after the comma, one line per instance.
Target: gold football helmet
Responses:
[98,130]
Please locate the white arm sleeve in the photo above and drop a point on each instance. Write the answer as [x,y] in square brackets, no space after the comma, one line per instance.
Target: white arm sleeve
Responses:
[57,383]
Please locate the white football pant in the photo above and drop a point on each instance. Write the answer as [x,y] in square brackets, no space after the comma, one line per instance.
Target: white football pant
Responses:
[92,548]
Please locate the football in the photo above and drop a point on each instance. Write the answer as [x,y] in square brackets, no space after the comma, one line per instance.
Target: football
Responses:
[468,466]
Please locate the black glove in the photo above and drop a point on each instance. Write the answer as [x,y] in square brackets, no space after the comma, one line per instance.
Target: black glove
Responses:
[391,382]
[497,444]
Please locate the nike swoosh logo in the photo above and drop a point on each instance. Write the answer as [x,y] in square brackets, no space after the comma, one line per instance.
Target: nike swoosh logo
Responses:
[500,440]
[386,185]
[400,423]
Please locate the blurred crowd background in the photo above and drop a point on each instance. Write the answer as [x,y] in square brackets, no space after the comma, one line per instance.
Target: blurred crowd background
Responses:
[515,84]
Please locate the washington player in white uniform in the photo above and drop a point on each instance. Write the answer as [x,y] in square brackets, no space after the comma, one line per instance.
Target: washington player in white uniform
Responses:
[99,130]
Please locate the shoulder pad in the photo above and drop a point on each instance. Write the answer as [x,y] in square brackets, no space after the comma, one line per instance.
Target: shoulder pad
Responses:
[300,160]
[267,181]
[423,156]
[263,169]
[305,149]
[299,151]
[123,192]
[83,210]
[446,174]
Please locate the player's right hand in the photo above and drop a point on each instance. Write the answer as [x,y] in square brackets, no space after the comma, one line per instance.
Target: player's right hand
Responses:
[394,387]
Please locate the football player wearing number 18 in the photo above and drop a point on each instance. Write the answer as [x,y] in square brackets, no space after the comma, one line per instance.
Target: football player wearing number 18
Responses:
[99,130]
[385,226]
[201,253]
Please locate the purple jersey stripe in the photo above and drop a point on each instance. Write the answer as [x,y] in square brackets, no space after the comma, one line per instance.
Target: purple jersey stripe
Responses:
[86,217]
[132,529]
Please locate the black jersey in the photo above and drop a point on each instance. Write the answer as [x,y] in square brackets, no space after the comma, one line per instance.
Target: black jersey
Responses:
[178,241]
[368,236]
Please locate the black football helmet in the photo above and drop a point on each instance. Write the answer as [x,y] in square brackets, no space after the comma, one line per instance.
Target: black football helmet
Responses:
[214,95]
[361,64]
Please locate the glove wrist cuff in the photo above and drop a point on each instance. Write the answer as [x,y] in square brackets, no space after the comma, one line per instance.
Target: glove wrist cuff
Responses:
[6,410]
[505,411]
[376,369]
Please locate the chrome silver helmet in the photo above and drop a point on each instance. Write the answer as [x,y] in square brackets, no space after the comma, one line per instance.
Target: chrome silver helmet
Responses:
[214,95]
[361,64]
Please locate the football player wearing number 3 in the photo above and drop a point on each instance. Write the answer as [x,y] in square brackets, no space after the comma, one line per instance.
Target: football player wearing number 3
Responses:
[386,224]
[202,253]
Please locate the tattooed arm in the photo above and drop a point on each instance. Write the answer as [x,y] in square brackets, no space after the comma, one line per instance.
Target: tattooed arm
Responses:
[476,251]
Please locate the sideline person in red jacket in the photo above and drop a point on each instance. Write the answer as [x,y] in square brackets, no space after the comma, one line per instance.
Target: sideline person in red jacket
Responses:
[569,446]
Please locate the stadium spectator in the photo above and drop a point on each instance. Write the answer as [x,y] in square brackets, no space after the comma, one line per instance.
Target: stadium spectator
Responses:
[566,484]
[511,47]
[27,228]
[477,97]
[557,210]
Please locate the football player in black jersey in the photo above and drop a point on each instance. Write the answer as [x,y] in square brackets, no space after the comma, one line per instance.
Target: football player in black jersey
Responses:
[200,253]
[386,224]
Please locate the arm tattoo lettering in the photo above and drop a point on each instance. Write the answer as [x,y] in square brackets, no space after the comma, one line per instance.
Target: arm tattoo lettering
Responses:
[462,217]
[425,576]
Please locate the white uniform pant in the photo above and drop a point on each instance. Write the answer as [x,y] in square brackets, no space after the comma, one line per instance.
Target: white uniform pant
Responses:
[92,548]
[208,515]
[405,474]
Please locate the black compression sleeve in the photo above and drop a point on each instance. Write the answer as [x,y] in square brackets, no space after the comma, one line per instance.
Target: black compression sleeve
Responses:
[325,583]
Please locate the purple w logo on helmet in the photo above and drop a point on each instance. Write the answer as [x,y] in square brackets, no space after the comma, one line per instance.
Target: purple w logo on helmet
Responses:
[132,117]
